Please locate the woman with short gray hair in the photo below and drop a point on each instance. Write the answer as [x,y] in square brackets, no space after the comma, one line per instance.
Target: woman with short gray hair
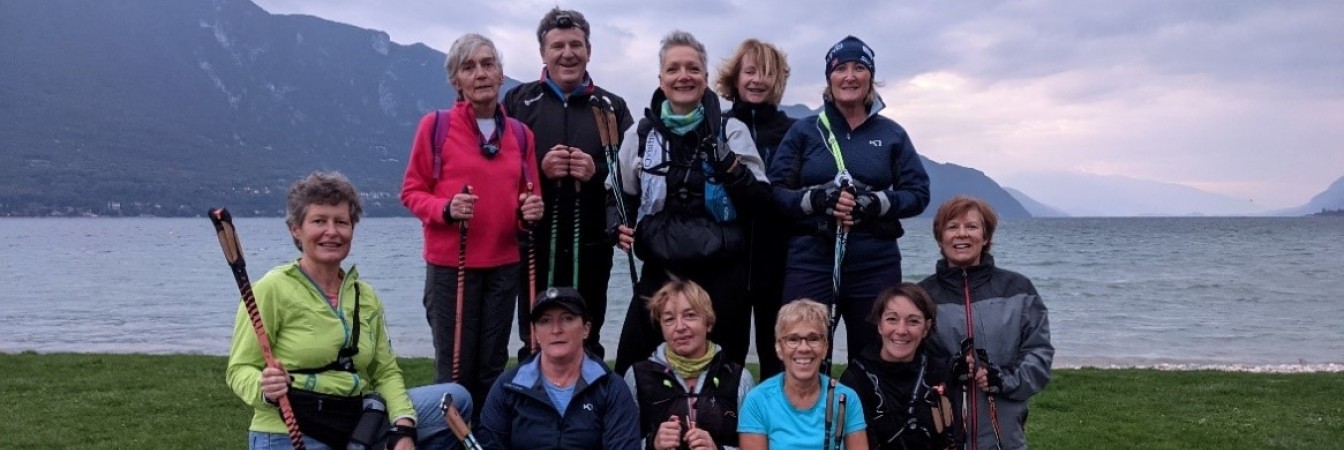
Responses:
[310,307]
[471,181]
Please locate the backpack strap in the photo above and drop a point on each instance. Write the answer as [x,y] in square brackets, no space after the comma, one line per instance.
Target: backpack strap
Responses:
[345,358]
[441,127]
[520,134]
[642,132]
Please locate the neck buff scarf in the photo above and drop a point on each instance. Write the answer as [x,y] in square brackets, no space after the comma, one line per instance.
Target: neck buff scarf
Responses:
[690,367]
[682,124]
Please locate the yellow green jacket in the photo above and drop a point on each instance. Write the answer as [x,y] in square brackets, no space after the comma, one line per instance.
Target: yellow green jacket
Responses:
[305,333]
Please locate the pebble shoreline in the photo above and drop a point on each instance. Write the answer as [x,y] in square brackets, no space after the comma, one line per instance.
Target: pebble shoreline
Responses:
[1252,368]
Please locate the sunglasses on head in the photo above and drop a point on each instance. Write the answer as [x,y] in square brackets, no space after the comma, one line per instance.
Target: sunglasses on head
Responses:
[563,20]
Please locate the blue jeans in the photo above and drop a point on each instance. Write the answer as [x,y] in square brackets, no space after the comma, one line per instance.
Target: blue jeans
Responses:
[431,429]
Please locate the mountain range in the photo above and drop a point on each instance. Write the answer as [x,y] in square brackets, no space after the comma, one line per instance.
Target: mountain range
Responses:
[1077,194]
[1331,199]
[169,107]
[1037,209]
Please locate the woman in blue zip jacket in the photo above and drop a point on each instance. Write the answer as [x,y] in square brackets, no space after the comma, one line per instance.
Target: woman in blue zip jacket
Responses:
[562,397]
[883,180]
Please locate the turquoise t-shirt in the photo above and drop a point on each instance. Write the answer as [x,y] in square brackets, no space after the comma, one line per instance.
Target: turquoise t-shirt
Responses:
[767,411]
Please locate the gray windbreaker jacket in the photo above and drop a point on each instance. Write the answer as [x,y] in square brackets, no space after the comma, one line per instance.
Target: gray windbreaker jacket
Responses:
[1011,324]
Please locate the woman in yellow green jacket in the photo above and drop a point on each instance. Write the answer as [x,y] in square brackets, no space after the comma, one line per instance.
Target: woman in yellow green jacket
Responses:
[310,309]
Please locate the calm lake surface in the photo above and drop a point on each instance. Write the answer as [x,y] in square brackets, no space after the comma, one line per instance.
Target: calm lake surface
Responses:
[1120,290]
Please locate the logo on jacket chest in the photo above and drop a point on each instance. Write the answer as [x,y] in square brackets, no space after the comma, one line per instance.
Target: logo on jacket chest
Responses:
[532,100]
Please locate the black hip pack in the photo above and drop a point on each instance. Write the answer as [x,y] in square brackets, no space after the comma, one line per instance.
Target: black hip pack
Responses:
[667,237]
[327,418]
[333,418]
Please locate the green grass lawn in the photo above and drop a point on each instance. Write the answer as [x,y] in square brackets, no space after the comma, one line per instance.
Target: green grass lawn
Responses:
[140,401]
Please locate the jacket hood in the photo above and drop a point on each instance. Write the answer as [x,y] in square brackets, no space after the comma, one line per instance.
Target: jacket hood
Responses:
[756,112]
[952,276]
[588,87]
[348,276]
[871,357]
[709,100]
[830,109]
[529,372]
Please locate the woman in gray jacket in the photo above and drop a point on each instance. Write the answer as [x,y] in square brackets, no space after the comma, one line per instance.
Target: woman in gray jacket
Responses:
[992,321]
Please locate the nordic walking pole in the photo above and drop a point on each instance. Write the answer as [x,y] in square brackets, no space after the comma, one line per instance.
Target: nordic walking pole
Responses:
[233,253]
[994,420]
[575,261]
[461,289]
[610,132]
[531,267]
[826,434]
[457,425]
[968,349]
[841,241]
[968,392]
[840,423]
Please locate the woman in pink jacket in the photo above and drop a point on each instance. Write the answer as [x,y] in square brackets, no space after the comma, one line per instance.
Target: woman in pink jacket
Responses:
[471,182]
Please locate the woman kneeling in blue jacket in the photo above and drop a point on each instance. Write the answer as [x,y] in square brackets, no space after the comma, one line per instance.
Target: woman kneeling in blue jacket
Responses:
[561,397]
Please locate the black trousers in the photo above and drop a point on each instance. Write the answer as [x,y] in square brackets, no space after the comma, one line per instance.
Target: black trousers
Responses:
[487,310]
[594,274]
[858,292]
[766,257]
[726,285]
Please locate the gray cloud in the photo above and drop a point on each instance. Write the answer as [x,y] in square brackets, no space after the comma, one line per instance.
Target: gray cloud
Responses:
[1243,97]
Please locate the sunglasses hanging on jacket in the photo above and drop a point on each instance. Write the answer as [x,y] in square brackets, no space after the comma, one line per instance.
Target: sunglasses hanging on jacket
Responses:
[490,147]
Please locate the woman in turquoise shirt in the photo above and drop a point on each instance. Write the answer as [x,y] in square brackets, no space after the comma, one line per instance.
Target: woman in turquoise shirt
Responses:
[789,410]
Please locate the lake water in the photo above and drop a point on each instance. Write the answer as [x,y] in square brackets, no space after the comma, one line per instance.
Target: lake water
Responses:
[1126,291]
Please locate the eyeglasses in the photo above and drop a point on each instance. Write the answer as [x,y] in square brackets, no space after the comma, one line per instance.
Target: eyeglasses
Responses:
[792,341]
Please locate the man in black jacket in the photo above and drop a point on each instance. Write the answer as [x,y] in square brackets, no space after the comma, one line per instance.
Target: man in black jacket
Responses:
[572,248]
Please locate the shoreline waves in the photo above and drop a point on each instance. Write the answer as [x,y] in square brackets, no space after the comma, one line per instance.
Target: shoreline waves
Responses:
[1225,294]
[1193,367]
[1163,366]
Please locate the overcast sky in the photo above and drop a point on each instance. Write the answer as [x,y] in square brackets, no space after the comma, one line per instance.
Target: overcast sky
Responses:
[1241,98]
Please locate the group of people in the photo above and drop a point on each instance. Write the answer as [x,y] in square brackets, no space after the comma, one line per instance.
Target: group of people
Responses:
[734,213]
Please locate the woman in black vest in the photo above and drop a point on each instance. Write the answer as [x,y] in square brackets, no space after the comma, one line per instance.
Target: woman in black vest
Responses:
[688,391]
[754,79]
[903,389]
[684,173]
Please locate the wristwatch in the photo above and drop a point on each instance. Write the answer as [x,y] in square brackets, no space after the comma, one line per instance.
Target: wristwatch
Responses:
[398,432]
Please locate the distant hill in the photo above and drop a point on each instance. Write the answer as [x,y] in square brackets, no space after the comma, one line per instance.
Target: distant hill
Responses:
[1037,209]
[166,107]
[950,180]
[1332,198]
[1097,195]
[798,110]
[169,107]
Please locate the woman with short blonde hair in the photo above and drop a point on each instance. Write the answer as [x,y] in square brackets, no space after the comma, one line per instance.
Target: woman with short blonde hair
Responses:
[801,407]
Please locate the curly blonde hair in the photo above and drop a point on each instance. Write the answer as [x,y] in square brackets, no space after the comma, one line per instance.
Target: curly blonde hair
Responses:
[769,59]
